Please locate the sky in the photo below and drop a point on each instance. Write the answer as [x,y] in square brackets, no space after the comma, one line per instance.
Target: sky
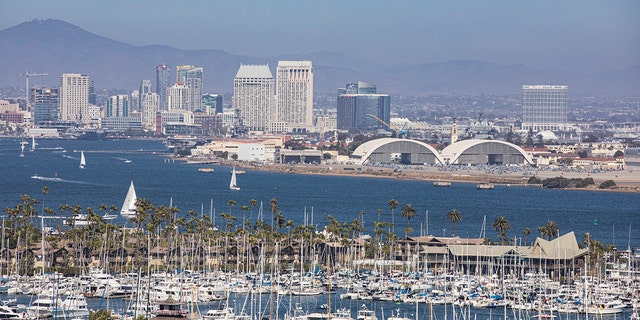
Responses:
[574,35]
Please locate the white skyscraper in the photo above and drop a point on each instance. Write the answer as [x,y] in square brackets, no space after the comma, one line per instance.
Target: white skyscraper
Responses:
[74,96]
[544,107]
[294,94]
[150,106]
[253,96]
[177,97]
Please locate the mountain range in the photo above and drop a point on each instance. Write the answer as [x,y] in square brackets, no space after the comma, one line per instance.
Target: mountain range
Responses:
[56,47]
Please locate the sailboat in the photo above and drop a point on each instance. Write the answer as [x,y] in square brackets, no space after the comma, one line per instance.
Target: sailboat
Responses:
[233,185]
[33,143]
[129,206]
[83,162]
[22,143]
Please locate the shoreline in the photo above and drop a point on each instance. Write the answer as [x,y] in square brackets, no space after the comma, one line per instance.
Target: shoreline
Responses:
[626,181]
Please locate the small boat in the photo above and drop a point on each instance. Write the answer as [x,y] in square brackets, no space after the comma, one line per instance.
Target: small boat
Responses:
[206,170]
[33,144]
[79,220]
[485,186]
[127,161]
[442,183]
[239,171]
[22,144]
[83,161]
[128,209]
[232,184]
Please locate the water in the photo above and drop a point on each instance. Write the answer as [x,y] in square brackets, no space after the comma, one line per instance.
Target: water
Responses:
[106,179]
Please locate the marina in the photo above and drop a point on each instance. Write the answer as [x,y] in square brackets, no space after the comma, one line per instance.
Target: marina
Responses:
[410,286]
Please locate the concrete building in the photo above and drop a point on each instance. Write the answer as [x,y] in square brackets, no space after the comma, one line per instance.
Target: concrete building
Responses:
[253,96]
[251,152]
[544,107]
[74,96]
[356,102]
[149,108]
[177,97]
[294,94]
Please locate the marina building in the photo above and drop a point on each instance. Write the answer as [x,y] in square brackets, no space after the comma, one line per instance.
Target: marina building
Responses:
[544,107]
[253,96]
[294,94]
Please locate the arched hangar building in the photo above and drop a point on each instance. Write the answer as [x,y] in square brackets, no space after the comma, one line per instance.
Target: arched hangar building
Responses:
[465,152]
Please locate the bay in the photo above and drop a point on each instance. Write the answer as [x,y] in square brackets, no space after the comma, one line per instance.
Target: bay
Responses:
[609,217]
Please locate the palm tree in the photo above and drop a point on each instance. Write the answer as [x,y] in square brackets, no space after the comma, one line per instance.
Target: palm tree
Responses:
[45,191]
[454,216]
[408,212]
[393,204]
[273,209]
[549,230]
[501,224]
[526,232]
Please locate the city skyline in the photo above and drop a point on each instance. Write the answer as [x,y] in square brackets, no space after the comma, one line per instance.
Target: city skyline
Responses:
[577,36]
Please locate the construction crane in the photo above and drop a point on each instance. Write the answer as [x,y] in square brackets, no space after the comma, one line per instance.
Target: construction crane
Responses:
[27,75]
[395,132]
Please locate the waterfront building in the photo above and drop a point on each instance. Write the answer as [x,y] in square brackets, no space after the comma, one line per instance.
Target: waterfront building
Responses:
[163,72]
[544,107]
[253,96]
[294,94]
[212,103]
[145,88]
[357,102]
[134,102]
[74,96]
[251,152]
[117,106]
[177,97]
[150,107]
[45,104]
[121,123]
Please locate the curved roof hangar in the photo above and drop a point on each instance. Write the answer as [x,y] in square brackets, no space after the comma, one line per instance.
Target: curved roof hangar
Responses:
[405,151]
[475,151]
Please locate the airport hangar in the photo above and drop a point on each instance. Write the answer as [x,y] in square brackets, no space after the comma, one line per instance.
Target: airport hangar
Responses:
[465,152]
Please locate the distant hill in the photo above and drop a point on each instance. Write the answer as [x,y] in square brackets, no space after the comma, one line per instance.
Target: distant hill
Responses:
[56,47]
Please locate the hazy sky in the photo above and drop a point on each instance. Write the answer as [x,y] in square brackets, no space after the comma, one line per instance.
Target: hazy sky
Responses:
[589,35]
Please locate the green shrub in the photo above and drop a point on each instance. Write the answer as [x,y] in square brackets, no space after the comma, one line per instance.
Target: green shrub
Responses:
[534,180]
[607,184]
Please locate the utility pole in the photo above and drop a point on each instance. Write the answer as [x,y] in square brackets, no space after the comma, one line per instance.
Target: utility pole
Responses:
[26,75]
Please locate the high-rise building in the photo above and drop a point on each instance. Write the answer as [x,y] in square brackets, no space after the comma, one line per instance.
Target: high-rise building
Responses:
[163,72]
[544,107]
[253,96]
[177,97]
[117,106]
[45,104]
[181,73]
[193,82]
[294,94]
[145,87]
[149,107]
[356,102]
[74,96]
[212,103]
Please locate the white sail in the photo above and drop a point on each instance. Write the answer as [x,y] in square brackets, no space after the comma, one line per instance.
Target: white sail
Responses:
[33,143]
[129,205]
[83,162]
[233,185]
